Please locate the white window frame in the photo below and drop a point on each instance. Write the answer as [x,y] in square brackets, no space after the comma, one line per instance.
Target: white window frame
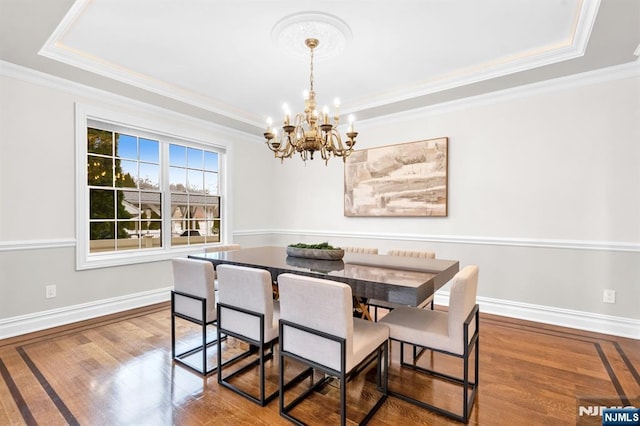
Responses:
[168,128]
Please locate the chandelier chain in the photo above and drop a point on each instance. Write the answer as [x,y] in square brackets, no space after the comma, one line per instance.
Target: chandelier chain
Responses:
[311,75]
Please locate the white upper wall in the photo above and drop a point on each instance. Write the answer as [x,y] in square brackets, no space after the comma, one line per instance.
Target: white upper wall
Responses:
[548,165]
[37,189]
[544,195]
[37,168]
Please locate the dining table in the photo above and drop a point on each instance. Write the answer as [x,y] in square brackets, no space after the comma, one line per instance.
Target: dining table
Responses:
[403,280]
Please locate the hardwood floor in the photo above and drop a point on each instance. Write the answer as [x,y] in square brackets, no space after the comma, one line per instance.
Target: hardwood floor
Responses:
[117,370]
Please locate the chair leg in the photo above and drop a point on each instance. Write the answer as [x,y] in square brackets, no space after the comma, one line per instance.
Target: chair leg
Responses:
[180,357]
[469,388]
[204,346]
[343,400]
[385,365]
[381,384]
[418,353]
[470,385]
[382,377]
[262,384]
[465,387]
[262,400]
[173,326]
[173,336]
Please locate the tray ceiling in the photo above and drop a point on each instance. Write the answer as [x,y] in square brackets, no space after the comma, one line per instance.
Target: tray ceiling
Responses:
[221,56]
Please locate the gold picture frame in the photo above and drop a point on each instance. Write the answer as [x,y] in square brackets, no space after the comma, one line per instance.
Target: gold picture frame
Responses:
[408,179]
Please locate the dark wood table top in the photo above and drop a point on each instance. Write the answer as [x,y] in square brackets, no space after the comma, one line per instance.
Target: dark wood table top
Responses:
[396,279]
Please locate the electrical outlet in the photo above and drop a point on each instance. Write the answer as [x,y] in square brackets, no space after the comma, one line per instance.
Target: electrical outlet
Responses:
[609,296]
[50,291]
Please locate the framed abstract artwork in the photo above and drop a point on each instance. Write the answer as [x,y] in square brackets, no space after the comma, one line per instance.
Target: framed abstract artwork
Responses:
[408,179]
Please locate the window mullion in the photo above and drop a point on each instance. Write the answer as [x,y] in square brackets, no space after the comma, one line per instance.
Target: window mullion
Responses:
[166,195]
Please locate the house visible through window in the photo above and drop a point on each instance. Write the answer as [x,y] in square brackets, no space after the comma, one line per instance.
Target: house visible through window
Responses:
[195,204]
[129,192]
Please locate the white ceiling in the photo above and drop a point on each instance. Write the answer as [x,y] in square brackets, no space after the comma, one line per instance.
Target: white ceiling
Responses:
[218,57]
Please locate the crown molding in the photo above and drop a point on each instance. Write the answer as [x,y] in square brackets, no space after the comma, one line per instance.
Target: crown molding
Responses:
[55,49]
[28,75]
[574,47]
[602,75]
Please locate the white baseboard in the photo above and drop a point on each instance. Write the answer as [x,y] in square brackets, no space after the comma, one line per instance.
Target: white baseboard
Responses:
[598,323]
[23,324]
[607,324]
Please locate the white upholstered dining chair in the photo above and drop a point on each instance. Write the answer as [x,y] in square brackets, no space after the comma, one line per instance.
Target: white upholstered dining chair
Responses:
[193,299]
[216,249]
[453,333]
[361,250]
[224,247]
[413,253]
[247,312]
[317,329]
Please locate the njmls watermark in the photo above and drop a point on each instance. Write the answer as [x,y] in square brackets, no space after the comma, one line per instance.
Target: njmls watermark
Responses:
[608,411]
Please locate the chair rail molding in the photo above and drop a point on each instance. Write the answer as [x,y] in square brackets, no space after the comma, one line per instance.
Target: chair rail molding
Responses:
[37,244]
[455,239]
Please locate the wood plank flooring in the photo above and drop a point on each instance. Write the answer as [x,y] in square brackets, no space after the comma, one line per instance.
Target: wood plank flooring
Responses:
[117,370]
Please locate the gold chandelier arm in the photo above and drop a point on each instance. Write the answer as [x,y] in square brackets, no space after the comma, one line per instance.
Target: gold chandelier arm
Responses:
[281,147]
[339,148]
[325,155]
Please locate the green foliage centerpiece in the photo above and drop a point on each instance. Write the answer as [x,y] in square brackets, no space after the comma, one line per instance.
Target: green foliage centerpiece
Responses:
[315,251]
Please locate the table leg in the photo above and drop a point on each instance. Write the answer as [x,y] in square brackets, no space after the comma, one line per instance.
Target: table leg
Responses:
[357,303]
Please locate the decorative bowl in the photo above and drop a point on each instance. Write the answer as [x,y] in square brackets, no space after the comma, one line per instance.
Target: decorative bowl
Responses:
[335,254]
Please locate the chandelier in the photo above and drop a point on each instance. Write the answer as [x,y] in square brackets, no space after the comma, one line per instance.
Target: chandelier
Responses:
[310,132]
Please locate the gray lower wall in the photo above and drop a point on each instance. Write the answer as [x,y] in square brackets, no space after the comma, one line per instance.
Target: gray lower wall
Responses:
[558,278]
[27,272]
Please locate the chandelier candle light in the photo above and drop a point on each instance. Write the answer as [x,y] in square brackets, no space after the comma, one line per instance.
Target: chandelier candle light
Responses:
[310,132]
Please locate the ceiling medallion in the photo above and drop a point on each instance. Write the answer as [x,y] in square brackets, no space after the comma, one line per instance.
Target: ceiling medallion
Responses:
[311,131]
[291,32]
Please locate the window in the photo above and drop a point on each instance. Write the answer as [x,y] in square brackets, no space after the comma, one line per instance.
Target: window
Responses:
[147,194]
[195,206]
[125,201]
